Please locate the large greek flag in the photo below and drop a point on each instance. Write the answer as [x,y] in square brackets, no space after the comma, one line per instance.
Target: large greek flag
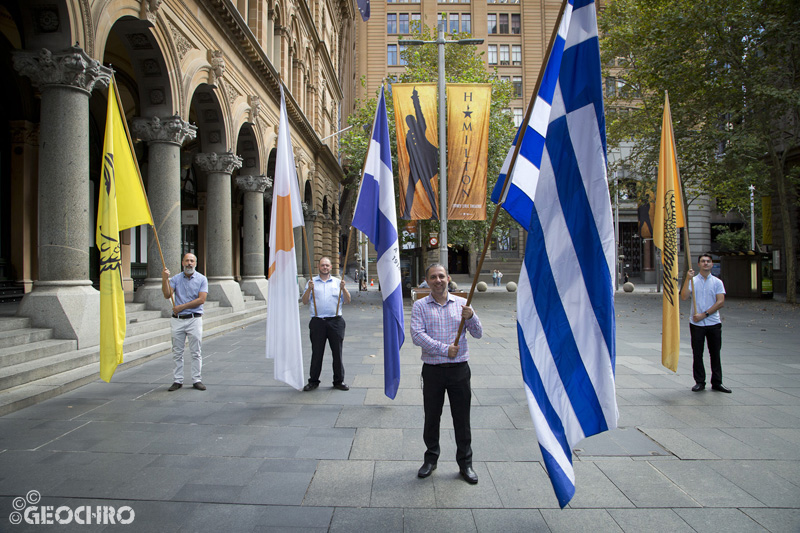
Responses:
[565,300]
[375,216]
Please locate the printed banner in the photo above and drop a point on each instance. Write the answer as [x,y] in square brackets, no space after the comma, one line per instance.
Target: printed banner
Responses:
[417,149]
[468,107]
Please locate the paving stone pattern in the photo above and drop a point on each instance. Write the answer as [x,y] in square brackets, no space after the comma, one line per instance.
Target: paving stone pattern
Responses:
[252,454]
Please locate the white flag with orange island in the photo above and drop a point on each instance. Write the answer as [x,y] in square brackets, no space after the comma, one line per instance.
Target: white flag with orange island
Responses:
[283,312]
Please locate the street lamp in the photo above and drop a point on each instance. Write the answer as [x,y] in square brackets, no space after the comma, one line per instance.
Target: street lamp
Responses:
[612,155]
[442,136]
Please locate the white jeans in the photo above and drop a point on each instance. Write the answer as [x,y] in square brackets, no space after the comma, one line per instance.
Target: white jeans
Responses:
[181,329]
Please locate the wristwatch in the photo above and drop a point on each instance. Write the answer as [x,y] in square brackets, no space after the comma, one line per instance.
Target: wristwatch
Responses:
[707,313]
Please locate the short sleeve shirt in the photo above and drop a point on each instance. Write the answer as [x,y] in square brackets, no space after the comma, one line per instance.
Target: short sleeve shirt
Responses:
[706,296]
[326,295]
[188,289]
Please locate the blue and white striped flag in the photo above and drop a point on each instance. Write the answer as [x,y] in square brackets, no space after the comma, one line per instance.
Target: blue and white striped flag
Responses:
[375,215]
[565,299]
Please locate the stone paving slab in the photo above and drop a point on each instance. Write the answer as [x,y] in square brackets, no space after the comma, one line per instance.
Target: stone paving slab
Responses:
[252,454]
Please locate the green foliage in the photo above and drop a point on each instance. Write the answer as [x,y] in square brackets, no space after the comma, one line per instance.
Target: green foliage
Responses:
[732,240]
[463,65]
[732,70]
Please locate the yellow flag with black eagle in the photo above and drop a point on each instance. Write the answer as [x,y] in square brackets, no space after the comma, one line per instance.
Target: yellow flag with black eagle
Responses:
[669,216]
[122,204]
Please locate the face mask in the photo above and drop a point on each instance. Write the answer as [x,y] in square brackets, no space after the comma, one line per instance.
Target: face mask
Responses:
[188,270]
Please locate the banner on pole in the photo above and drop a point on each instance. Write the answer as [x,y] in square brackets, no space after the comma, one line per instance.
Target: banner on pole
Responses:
[417,149]
[468,107]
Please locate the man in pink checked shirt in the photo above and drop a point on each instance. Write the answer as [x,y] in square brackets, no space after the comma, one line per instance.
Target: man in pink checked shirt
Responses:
[434,325]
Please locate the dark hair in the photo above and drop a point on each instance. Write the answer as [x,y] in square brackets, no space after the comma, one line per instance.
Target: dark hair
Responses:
[705,254]
[434,265]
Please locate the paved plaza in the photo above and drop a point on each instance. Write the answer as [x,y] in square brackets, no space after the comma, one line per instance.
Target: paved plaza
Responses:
[252,454]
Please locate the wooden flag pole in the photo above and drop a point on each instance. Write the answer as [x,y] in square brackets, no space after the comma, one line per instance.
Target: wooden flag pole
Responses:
[688,259]
[139,174]
[344,269]
[511,165]
[310,269]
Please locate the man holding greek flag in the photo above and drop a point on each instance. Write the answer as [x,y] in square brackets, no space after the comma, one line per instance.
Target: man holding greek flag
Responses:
[558,191]
[374,215]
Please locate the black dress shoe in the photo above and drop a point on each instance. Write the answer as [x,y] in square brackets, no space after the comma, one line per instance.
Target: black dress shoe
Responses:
[426,469]
[720,388]
[698,387]
[310,386]
[199,386]
[341,386]
[469,475]
[175,386]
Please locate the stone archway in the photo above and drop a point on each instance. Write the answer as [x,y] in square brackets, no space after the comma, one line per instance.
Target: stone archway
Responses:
[215,164]
[252,185]
[143,81]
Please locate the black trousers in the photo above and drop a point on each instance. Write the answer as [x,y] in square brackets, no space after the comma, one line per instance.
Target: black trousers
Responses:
[712,334]
[453,378]
[330,330]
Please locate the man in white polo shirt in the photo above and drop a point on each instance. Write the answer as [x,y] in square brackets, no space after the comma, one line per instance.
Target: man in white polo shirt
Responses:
[704,324]
[190,289]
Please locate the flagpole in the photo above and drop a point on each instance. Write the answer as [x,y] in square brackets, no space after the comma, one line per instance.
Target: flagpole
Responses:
[687,252]
[344,269]
[310,269]
[363,167]
[511,164]
[139,174]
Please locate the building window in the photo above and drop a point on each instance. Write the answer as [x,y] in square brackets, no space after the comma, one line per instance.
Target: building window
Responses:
[453,22]
[491,23]
[516,54]
[515,24]
[416,20]
[503,22]
[492,54]
[391,54]
[611,87]
[504,60]
[400,59]
[391,23]
[518,86]
[505,78]
[403,26]
[517,117]
[466,23]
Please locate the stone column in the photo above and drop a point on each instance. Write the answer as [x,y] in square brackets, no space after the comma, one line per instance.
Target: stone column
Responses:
[219,258]
[63,297]
[310,216]
[24,195]
[164,137]
[253,280]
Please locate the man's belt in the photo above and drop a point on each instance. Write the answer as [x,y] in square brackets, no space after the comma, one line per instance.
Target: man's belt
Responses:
[329,317]
[190,315]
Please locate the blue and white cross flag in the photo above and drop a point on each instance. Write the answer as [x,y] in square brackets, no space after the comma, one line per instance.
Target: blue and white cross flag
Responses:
[565,300]
[375,215]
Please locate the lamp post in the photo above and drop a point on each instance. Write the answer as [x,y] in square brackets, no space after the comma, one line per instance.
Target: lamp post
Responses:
[612,155]
[440,42]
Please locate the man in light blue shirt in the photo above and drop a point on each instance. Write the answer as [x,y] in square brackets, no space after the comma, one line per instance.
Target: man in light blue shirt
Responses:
[190,289]
[705,324]
[322,295]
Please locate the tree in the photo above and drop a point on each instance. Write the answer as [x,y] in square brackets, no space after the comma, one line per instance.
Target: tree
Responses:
[463,65]
[732,70]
